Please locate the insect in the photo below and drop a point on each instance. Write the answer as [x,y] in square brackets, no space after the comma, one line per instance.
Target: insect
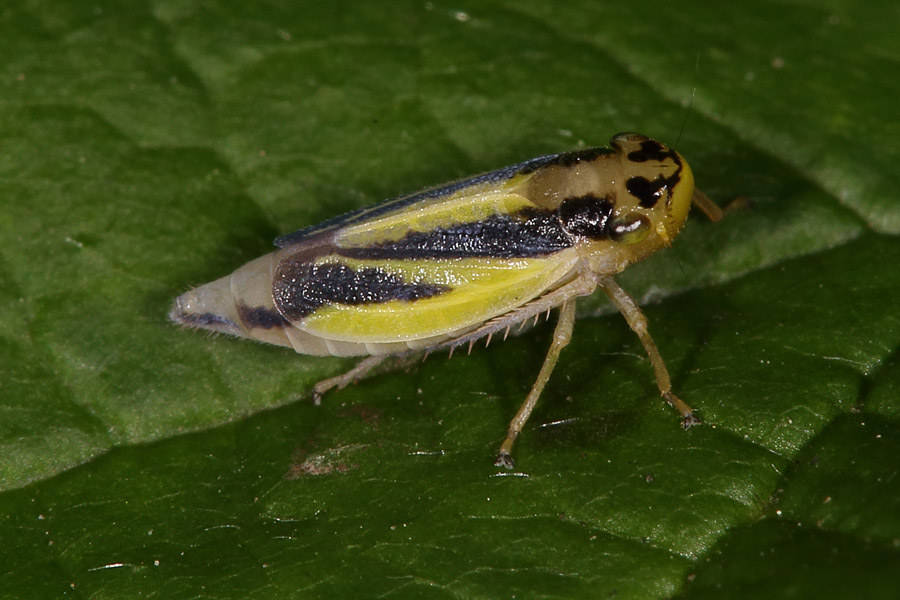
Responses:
[462,262]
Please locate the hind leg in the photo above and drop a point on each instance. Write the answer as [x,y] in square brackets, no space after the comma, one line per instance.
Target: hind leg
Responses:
[339,382]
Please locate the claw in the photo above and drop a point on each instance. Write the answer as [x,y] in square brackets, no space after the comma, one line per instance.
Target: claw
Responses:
[505,460]
[689,421]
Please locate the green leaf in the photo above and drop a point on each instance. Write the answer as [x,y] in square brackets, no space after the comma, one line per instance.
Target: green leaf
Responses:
[151,146]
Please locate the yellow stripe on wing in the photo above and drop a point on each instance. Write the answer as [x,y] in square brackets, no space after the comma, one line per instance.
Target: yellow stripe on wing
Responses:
[467,205]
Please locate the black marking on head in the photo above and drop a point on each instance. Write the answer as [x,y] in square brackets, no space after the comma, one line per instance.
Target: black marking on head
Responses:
[647,192]
[301,288]
[526,233]
[261,317]
[652,150]
[586,216]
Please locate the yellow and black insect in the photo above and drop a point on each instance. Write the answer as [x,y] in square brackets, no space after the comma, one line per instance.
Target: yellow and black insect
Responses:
[464,261]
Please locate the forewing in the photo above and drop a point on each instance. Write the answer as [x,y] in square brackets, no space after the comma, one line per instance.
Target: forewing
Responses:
[391,301]
[401,206]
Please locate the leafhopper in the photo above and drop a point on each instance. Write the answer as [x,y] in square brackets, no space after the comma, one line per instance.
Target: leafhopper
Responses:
[462,262]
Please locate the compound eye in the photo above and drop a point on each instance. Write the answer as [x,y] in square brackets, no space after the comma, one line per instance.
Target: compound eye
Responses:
[629,229]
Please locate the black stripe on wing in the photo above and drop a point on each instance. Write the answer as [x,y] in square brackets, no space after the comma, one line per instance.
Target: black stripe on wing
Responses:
[301,288]
[526,233]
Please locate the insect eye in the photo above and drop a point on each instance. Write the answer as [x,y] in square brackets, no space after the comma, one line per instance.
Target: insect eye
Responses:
[629,229]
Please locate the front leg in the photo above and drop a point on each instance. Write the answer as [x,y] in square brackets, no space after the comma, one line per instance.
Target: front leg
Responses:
[638,323]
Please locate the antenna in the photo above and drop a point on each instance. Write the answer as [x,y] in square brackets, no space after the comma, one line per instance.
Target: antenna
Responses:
[690,105]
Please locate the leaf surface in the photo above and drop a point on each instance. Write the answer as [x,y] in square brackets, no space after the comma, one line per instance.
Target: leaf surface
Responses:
[151,146]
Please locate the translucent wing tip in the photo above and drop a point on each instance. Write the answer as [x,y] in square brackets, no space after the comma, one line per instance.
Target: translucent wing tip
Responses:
[209,307]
